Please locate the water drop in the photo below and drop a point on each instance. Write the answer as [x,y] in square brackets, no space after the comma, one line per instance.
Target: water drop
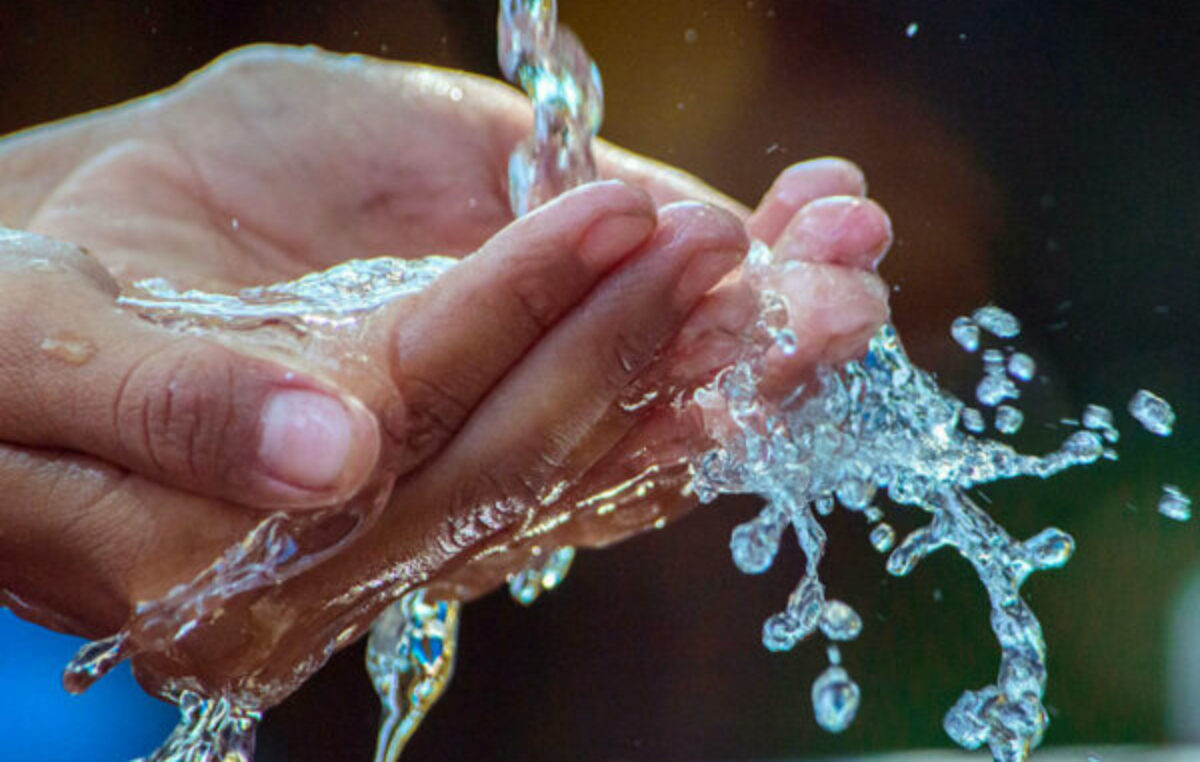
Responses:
[840,622]
[994,388]
[1153,412]
[911,30]
[1051,548]
[1008,419]
[966,333]
[883,537]
[972,420]
[755,543]
[1083,447]
[1000,323]
[690,35]
[1021,366]
[1096,417]
[855,494]
[835,699]
[1174,504]
[69,347]
[824,505]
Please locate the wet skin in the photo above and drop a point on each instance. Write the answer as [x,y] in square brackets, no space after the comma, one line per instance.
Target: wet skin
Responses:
[489,407]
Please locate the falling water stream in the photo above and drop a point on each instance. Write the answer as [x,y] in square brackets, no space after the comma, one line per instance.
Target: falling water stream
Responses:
[874,436]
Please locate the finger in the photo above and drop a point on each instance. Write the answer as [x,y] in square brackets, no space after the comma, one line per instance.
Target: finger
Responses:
[84,541]
[797,186]
[177,408]
[454,342]
[833,312]
[840,230]
[564,391]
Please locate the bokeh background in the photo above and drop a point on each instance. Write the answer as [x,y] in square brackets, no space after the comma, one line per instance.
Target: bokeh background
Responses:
[1041,154]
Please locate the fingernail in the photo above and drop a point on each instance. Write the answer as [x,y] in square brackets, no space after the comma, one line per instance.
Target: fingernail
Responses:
[610,239]
[705,270]
[306,438]
[838,229]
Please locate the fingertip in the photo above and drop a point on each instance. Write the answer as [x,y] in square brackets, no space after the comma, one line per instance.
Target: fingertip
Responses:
[833,311]
[845,230]
[799,185]
[714,240]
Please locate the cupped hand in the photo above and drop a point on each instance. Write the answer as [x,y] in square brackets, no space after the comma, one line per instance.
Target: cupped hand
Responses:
[498,397]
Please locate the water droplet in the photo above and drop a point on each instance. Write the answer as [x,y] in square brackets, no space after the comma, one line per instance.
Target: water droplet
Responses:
[834,654]
[1096,417]
[236,224]
[883,537]
[911,30]
[755,543]
[835,699]
[1174,504]
[1008,419]
[840,622]
[69,347]
[1021,366]
[1051,548]
[824,505]
[1083,447]
[994,389]
[42,265]
[690,35]
[966,333]
[855,494]
[1000,323]
[972,420]
[1153,412]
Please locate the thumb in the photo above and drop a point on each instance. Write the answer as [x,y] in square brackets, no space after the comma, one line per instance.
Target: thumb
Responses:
[79,374]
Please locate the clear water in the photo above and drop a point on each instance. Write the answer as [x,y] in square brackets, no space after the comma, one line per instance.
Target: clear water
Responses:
[410,658]
[563,85]
[874,436]
[879,435]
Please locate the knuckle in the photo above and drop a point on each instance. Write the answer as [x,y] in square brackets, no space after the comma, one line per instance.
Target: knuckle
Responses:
[175,409]
[430,417]
[628,352]
[535,297]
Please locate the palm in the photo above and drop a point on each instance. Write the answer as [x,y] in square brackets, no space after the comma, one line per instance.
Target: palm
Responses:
[328,166]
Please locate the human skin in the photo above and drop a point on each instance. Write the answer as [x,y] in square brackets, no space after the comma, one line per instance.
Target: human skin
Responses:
[125,475]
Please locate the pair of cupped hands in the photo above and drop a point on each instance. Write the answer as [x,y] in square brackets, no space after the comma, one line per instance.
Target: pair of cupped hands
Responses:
[500,393]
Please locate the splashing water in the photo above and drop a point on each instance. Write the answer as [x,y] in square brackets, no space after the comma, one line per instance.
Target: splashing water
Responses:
[881,426]
[875,427]
[410,658]
[563,84]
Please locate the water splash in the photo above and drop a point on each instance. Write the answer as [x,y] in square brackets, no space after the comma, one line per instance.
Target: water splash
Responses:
[410,658]
[545,571]
[210,730]
[881,426]
[563,84]
[877,426]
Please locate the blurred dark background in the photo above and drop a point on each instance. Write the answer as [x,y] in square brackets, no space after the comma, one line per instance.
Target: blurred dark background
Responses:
[1043,155]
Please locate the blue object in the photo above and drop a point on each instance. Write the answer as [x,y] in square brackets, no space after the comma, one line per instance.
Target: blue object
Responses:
[114,721]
